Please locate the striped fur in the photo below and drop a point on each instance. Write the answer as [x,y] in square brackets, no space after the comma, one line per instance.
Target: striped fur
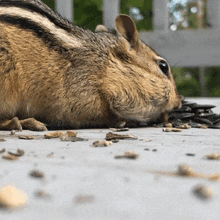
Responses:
[65,76]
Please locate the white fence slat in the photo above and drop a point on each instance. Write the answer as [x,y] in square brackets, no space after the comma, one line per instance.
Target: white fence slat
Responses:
[161,15]
[111,8]
[65,8]
[213,13]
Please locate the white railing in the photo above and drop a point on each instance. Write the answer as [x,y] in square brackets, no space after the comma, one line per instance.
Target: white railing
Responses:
[65,8]
[183,48]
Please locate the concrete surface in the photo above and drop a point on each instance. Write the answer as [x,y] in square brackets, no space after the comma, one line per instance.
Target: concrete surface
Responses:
[88,183]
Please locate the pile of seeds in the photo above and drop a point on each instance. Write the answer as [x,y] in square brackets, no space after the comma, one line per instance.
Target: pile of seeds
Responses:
[195,115]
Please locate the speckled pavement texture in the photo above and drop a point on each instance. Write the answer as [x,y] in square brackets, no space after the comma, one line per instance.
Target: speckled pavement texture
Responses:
[87,183]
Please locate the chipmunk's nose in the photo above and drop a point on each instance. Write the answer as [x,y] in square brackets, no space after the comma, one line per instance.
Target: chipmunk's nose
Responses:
[178,106]
[180,100]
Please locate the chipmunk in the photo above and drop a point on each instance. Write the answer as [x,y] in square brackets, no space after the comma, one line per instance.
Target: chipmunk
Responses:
[57,74]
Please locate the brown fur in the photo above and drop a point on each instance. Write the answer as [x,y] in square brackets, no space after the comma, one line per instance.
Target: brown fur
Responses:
[111,78]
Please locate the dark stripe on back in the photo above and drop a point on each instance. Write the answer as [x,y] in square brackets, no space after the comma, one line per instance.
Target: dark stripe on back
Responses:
[24,23]
[44,10]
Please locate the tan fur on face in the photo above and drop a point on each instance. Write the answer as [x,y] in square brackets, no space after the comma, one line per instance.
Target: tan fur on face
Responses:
[144,92]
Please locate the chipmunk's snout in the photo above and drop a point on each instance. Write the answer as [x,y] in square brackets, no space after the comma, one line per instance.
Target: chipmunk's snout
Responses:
[179,104]
[177,107]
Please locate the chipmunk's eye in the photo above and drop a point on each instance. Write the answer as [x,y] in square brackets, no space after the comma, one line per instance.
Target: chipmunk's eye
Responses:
[163,66]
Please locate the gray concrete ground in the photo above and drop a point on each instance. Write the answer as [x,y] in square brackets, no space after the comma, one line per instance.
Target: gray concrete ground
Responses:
[88,183]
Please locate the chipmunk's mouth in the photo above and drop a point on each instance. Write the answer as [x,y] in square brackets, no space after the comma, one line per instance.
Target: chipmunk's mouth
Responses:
[173,105]
[179,105]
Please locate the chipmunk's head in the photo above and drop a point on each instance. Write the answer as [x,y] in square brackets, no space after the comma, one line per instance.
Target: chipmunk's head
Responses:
[140,80]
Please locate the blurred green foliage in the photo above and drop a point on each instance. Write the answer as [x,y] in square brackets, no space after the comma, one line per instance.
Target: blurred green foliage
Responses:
[187,81]
[145,7]
[88,14]
[50,3]
[213,81]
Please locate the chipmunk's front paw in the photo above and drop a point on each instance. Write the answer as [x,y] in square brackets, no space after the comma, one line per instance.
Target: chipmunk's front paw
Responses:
[33,125]
[13,124]
[16,124]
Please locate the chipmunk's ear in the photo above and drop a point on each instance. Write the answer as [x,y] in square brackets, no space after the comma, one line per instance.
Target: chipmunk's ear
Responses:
[127,28]
[101,28]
